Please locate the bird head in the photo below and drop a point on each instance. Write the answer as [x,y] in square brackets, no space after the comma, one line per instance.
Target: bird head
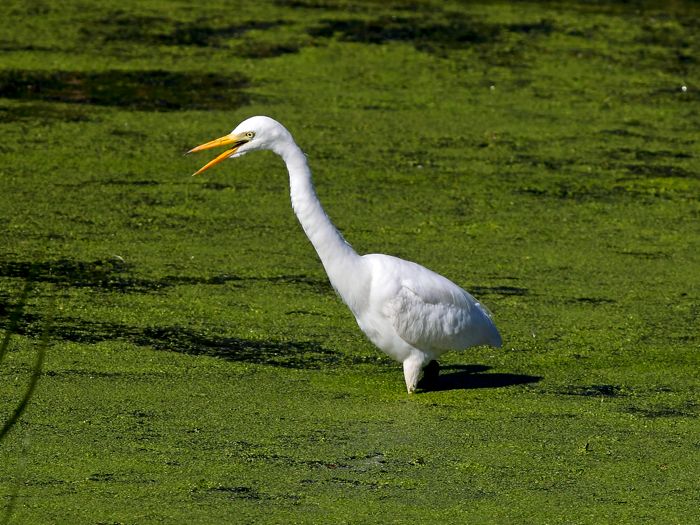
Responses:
[255,133]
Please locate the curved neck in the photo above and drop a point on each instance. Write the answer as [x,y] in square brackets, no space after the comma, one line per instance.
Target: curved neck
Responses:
[338,257]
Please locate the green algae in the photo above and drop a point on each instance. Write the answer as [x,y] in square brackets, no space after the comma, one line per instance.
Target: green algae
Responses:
[201,370]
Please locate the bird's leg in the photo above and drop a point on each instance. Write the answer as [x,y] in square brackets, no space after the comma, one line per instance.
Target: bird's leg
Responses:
[412,371]
[430,375]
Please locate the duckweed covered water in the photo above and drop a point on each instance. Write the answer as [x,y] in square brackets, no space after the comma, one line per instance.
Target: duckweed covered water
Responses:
[199,367]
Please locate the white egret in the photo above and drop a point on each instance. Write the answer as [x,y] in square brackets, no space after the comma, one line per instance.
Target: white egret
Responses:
[409,312]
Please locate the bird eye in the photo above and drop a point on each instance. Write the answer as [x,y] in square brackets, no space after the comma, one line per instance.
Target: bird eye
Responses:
[250,134]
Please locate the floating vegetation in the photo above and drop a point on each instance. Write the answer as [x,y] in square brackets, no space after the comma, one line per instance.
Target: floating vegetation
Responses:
[543,153]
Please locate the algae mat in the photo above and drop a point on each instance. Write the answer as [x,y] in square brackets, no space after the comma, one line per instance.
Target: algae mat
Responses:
[199,368]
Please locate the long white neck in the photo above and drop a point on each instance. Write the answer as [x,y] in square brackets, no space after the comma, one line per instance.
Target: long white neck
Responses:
[341,262]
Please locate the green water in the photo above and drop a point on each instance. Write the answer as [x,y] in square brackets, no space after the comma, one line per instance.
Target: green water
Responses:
[200,369]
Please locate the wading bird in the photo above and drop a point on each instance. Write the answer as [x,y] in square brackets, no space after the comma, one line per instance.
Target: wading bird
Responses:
[409,312]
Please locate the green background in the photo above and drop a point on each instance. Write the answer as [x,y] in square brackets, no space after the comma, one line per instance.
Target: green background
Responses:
[200,369]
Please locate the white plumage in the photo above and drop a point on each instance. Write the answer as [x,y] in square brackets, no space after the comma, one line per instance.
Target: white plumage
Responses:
[409,312]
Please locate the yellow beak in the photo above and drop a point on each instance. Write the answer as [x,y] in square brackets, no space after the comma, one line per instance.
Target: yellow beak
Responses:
[236,140]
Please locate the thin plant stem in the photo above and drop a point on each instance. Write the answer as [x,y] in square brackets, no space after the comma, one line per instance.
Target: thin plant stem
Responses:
[34,379]
[14,319]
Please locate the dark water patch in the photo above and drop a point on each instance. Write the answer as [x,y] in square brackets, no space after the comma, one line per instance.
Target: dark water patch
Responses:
[690,409]
[155,30]
[102,477]
[96,373]
[586,193]
[258,49]
[334,5]
[467,377]
[645,254]
[9,46]
[592,300]
[42,112]
[394,29]
[425,33]
[580,191]
[619,132]
[114,275]
[128,182]
[498,290]
[124,26]
[151,90]
[305,312]
[207,36]
[240,492]
[50,482]
[109,477]
[659,171]
[307,4]
[129,134]
[216,186]
[537,192]
[669,31]
[354,482]
[595,391]
[648,155]
[675,94]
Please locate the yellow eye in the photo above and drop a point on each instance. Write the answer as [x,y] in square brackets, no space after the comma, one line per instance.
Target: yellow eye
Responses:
[250,134]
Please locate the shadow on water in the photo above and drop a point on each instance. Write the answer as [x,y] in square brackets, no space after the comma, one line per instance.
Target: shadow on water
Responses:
[286,354]
[466,377]
[113,275]
[152,90]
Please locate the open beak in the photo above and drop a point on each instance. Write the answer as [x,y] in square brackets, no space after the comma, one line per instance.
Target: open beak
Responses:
[235,141]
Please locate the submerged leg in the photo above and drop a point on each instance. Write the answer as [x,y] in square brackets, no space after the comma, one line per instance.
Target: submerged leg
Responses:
[430,375]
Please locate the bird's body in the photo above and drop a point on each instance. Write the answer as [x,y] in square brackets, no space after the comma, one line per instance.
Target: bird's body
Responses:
[409,312]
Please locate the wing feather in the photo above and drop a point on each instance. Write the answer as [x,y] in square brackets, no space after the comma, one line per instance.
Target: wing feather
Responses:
[432,313]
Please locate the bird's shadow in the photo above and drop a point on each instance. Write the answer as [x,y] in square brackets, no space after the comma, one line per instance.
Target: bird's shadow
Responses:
[466,377]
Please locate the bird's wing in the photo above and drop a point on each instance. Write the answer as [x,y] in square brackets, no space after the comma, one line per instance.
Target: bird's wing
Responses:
[432,313]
